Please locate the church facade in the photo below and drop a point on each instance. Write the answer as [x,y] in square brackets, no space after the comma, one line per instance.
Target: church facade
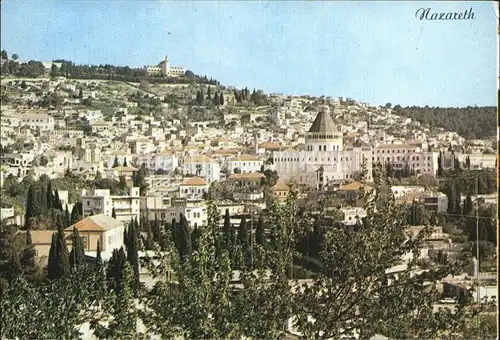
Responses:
[325,158]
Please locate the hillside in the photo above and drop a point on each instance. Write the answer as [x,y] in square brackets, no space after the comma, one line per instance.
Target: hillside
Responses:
[470,122]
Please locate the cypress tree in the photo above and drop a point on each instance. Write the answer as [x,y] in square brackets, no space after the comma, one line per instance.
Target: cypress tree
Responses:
[226,229]
[113,213]
[468,206]
[67,217]
[440,166]
[243,233]
[132,250]
[98,253]
[125,162]
[216,99]
[195,235]
[125,237]
[115,270]
[222,98]
[76,213]
[52,265]
[77,254]
[115,163]
[57,202]
[50,198]
[62,254]
[185,246]
[42,200]
[149,237]
[32,206]
[174,232]
[156,230]
[260,233]
[28,258]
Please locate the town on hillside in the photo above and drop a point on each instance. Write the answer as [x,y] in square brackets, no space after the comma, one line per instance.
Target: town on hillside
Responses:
[144,170]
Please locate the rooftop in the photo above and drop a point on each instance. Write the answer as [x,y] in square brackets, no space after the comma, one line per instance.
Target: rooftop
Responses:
[323,122]
[99,222]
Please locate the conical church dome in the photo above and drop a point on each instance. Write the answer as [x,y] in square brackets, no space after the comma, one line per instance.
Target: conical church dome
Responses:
[323,122]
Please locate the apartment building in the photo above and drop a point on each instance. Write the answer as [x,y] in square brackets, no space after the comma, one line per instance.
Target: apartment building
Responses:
[399,155]
[244,164]
[202,166]
[100,201]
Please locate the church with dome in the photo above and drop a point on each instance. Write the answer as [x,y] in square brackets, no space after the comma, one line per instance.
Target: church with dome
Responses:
[324,157]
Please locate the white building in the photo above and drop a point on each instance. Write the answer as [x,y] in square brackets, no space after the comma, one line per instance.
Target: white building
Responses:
[17,164]
[352,214]
[100,201]
[202,166]
[325,157]
[400,155]
[245,164]
[34,119]
[165,69]
[193,187]
[166,161]
[194,210]
[102,229]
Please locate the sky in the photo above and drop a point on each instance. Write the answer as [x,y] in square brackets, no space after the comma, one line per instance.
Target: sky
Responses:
[375,52]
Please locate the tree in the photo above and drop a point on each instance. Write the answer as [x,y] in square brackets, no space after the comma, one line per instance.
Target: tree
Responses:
[23,85]
[411,302]
[125,162]
[98,253]
[200,98]
[184,238]
[468,206]
[27,260]
[113,213]
[121,309]
[75,213]
[133,251]
[59,264]
[33,208]
[139,179]
[54,71]
[15,56]
[227,229]
[221,99]
[50,196]
[77,254]
[26,304]
[115,163]
[5,56]
[440,165]
[149,244]
[260,233]
[216,100]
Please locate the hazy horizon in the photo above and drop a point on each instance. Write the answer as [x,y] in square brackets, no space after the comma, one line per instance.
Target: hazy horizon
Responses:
[373,52]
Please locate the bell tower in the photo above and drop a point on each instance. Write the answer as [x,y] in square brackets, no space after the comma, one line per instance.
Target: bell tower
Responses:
[166,67]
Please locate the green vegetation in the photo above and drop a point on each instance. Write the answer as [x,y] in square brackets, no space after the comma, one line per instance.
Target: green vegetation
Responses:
[469,122]
[344,296]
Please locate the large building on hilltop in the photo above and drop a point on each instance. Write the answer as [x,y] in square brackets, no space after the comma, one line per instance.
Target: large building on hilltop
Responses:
[165,69]
[324,158]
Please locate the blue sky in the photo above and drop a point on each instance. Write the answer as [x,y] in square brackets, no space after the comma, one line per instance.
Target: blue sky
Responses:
[370,51]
